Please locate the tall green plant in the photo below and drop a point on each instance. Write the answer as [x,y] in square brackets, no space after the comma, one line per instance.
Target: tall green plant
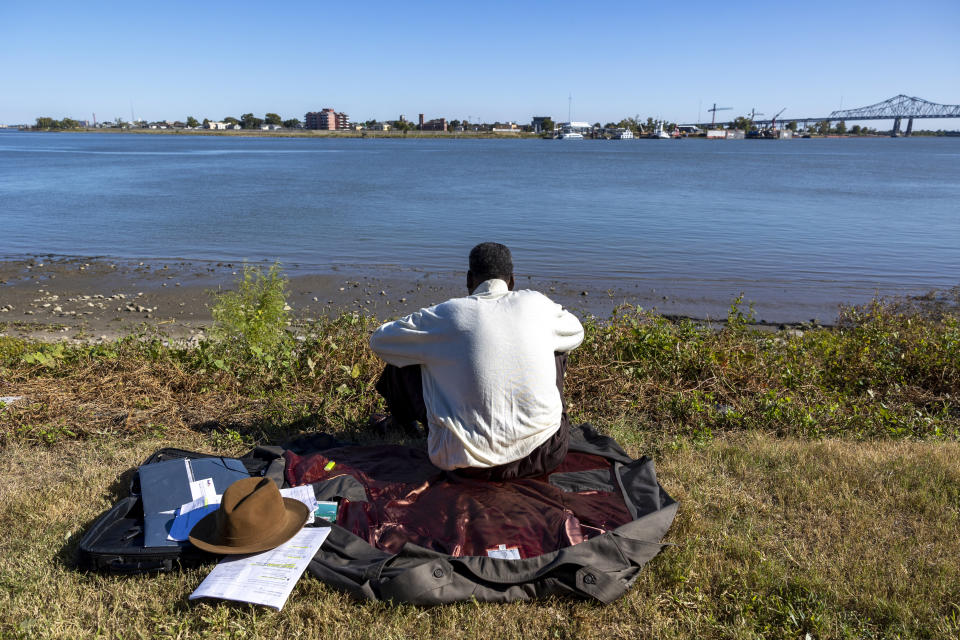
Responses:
[252,319]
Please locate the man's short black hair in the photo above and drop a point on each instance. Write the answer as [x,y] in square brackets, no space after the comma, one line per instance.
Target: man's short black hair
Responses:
[490,260]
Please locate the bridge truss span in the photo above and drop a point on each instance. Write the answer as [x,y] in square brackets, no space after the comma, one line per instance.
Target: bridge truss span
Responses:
[900,106]
[896,108]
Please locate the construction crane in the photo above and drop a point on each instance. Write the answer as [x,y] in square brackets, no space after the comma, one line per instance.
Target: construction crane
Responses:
[771,130]
[713,118]
[773,120]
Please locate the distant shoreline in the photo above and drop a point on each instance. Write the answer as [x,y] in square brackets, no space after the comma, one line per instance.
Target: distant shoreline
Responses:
[308,133]
[317,134]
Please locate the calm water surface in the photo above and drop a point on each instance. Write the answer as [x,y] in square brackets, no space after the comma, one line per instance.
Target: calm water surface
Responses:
[827,219]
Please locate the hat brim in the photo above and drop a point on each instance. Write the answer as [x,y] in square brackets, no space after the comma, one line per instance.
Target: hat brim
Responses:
[204,534]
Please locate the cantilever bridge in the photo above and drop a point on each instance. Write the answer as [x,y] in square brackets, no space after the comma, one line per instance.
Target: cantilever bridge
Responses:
[897,109]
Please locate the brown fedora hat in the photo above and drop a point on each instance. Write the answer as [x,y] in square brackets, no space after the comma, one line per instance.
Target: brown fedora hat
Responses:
[252,517]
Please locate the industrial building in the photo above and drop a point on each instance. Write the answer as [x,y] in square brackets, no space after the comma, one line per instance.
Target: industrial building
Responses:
[326,120]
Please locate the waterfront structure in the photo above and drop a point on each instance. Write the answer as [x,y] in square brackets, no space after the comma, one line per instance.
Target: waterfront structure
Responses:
[578,127]
[437,124]
[537,123]
[726,134]
[510,127]
[326,120]
[897,109]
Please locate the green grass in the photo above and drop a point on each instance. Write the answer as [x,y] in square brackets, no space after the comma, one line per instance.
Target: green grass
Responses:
[818,474]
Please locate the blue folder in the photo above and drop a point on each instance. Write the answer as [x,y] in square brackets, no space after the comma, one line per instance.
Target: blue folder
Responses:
[165,486]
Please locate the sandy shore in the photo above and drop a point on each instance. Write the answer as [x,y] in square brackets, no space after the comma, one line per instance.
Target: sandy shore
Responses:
[91,299]
[101,299]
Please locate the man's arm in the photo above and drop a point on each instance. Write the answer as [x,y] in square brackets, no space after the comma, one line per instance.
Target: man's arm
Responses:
[408,340]
[568,330]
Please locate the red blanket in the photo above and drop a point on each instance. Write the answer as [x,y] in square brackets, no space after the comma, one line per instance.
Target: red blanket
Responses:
[410,500]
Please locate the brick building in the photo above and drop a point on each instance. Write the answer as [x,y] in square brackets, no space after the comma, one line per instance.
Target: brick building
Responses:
[326,120]
[438,124]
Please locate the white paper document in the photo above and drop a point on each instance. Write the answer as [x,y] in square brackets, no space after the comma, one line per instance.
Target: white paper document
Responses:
[264,578]
[202,489]
[303,493]
[504,552]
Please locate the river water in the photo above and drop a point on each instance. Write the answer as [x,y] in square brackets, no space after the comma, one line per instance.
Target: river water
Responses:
[790,223]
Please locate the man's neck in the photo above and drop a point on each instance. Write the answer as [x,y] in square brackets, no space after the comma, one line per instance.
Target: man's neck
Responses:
[493,285]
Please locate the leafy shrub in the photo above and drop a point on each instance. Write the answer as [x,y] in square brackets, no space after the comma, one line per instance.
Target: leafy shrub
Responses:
[250,323]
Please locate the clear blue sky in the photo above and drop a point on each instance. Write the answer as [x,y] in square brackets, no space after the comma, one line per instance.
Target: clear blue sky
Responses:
[489,61]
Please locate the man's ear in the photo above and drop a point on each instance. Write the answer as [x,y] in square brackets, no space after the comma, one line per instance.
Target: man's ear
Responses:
[511,283]
[471,285]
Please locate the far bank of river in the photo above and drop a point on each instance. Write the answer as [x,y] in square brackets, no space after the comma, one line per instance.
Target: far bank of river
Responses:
[408,135]
[312,133]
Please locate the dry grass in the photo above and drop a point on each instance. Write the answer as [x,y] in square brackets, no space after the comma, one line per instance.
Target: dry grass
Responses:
[775,538]
[819,476]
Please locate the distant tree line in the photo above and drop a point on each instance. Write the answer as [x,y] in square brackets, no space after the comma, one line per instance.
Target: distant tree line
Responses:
[246,121]
[250,121]
[52,123]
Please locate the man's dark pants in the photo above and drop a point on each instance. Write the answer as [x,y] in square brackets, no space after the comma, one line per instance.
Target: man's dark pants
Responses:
[402,388]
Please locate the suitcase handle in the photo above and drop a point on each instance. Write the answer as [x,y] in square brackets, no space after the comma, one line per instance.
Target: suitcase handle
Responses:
[132,532]
[119,566]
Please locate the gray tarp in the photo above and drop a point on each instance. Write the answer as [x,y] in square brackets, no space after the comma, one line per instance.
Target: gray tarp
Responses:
[601,567]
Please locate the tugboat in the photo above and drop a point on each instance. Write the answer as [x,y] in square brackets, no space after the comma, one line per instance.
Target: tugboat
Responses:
[658,133]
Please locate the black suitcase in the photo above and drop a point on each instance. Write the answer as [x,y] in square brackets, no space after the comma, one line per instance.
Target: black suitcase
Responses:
[114,542]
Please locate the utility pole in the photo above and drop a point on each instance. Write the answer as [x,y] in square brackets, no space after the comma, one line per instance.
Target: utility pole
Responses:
[713,118]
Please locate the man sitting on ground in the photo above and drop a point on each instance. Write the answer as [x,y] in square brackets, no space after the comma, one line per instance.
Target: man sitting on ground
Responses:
[484,373]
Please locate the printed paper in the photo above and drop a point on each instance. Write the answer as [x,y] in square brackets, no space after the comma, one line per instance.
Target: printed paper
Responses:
[264,578]
[304,494]
[202,489]
[504,552]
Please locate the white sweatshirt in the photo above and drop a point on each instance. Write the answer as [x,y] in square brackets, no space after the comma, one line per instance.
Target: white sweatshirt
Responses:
[488,369]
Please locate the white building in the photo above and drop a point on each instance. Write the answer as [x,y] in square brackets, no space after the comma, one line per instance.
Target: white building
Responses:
[576,127]
[216,125]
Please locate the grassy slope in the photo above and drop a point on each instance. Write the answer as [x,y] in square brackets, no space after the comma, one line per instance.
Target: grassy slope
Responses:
[833,513]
